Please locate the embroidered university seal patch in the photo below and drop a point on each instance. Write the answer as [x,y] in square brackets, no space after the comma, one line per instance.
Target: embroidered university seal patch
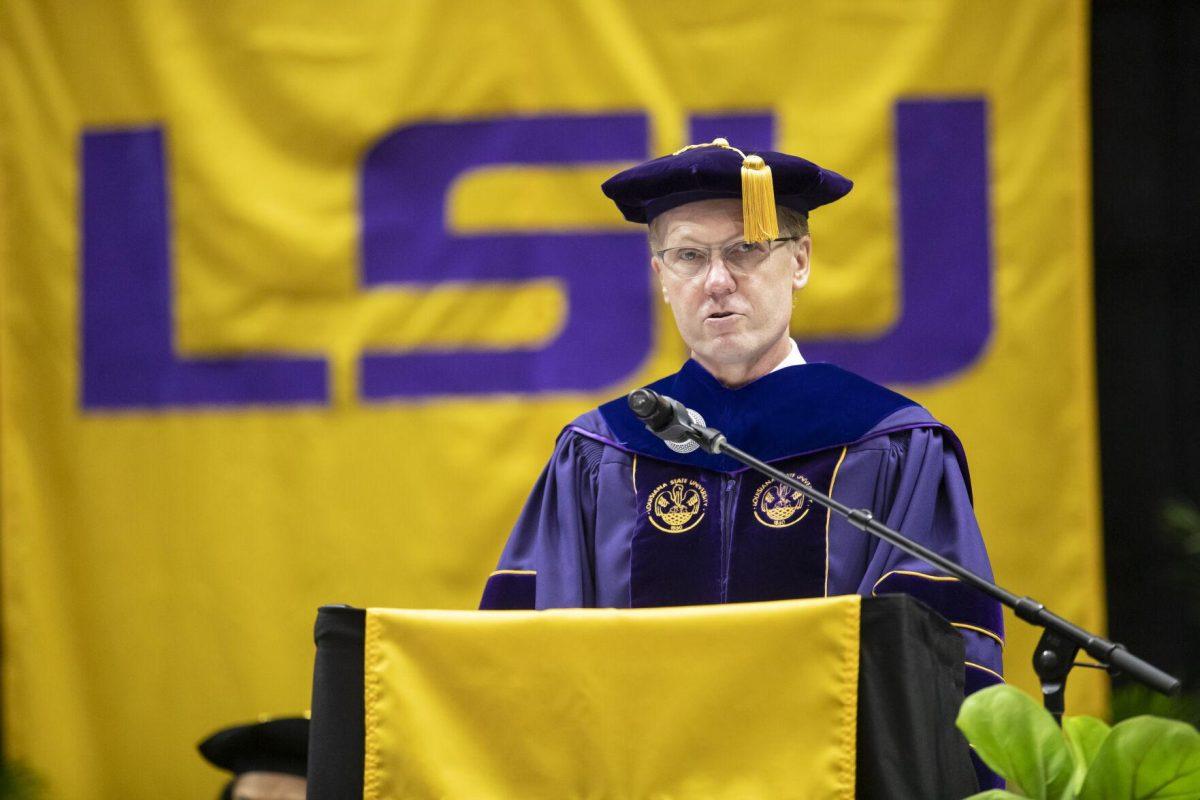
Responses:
[677,505]
[777,505]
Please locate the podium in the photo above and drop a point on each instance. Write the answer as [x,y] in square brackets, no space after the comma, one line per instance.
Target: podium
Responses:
[834,697]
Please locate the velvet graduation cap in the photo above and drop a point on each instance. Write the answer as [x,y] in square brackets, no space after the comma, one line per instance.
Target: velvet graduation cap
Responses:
[275,745]
[716,170]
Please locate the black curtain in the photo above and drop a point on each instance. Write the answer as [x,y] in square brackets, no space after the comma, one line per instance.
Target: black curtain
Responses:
[1146,189]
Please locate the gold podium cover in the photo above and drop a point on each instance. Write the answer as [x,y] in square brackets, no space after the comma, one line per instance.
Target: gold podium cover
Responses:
[747,700]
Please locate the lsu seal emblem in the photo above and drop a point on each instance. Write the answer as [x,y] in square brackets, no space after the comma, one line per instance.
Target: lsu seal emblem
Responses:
[777,505]
[677,505]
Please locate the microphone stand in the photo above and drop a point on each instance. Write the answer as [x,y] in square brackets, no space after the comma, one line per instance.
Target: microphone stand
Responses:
[1061,640]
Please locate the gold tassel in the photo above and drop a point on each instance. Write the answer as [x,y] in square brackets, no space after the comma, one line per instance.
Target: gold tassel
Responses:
[758,201]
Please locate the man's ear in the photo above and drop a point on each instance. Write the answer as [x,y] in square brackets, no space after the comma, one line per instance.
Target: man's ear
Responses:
[801,259]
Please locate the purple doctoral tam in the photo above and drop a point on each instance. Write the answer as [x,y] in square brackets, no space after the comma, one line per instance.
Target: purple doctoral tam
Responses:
[715,170]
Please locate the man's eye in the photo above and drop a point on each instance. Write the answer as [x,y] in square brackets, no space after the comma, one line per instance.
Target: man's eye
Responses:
[689,254]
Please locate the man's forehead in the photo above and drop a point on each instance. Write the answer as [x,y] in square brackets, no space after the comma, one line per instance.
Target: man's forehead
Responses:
[706,220]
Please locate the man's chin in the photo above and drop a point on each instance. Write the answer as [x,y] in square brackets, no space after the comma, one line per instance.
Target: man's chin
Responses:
[727,349]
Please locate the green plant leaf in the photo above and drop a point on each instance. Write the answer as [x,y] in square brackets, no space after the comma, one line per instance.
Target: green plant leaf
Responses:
[1084,737]
[1018,739]
[1144,758]
[994,794]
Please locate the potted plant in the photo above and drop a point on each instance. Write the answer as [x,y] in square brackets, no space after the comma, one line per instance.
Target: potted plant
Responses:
[1086,759]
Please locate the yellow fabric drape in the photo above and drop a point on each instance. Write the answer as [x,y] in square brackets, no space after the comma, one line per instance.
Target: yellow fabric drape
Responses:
[161,566]
[751,700]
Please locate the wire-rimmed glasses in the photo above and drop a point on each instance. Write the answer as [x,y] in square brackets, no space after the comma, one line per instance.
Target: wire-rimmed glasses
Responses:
[740,258]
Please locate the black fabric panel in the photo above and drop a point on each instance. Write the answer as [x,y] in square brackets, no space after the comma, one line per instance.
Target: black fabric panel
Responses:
[336,738]
[910,686]
[1146,170]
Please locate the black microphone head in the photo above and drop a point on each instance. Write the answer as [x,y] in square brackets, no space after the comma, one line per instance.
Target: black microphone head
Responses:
[643,403]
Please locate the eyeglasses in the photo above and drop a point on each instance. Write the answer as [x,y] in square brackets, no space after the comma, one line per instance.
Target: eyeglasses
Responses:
[740,258]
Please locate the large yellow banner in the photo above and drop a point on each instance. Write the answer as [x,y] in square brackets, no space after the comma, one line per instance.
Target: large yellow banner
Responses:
[296,298]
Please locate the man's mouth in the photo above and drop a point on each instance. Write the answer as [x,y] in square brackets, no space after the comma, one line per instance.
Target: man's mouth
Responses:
[720,315]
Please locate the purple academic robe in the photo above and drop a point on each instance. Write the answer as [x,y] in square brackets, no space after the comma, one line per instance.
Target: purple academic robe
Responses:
[618,519]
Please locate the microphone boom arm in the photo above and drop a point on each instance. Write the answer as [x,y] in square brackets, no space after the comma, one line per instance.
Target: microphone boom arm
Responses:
[1061,640]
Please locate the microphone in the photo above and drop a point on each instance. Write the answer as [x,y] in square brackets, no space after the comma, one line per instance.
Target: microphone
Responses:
[666,418]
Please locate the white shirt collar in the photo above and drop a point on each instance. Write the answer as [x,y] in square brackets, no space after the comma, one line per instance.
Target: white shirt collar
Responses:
[792,359]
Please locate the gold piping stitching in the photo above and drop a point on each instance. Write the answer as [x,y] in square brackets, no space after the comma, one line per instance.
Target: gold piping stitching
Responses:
[910,572]
[832,481]
[978,629]
[982,668]
[513,572]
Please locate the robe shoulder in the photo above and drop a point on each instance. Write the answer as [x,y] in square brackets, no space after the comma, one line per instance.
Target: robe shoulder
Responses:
[592,425]
[790,412]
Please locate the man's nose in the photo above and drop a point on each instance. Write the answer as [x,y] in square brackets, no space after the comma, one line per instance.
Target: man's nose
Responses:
[718,279]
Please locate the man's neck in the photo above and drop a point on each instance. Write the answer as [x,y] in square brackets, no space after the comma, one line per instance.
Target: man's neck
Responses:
[735,376]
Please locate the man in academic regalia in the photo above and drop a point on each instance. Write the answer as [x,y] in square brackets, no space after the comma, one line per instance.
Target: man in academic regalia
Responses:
[620,518]
[268,759]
